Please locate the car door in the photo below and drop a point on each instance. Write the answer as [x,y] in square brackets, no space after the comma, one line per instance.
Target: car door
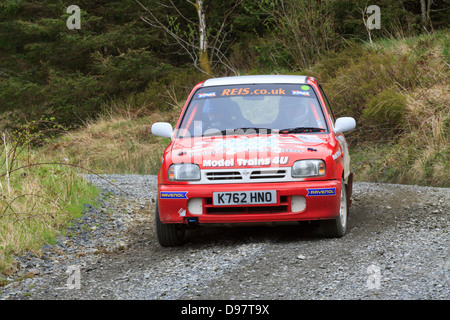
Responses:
[340,136]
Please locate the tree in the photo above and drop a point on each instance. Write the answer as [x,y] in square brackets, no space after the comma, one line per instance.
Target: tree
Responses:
[302,29]
[372,21]
[425,6]
[203,44]
[205,64]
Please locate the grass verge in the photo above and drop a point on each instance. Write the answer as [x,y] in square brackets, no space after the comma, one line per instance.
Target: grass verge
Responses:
[38,197]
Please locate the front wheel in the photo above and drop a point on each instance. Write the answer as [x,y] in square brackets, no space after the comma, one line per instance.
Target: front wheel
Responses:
[168,235]
[337,228]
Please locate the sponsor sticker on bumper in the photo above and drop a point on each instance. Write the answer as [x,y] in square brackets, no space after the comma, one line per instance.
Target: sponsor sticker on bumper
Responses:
[321,192]
[173,195]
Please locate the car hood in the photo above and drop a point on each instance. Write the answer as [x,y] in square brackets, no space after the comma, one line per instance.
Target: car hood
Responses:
[250,150]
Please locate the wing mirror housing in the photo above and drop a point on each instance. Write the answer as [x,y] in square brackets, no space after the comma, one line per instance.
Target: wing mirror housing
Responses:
[162,129]
[344,124]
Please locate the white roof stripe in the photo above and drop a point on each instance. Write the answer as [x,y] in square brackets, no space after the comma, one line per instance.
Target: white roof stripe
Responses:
[255,79]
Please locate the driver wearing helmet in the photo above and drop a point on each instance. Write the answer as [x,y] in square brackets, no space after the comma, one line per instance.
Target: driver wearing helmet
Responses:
[216,115]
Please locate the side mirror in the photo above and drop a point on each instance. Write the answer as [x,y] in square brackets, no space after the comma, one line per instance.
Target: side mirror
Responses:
[344,124]
[162,129]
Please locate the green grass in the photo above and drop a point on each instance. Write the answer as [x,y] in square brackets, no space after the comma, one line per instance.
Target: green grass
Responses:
[37,201]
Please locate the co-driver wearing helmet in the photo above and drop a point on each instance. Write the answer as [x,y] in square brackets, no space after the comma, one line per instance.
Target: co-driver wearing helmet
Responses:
[216,115]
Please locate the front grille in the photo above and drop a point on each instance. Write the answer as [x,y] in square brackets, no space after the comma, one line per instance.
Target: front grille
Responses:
[244,175]
[273,174]
[224,175]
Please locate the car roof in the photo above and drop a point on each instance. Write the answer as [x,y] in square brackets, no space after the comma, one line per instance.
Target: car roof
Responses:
[255,79]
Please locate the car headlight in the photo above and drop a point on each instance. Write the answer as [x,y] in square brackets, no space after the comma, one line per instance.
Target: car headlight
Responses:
[184,172]
[308,168]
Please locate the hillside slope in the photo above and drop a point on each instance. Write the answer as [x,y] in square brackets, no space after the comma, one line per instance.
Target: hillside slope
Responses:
[398,91]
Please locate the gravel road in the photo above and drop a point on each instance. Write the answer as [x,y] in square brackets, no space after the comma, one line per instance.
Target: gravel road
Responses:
[396,248]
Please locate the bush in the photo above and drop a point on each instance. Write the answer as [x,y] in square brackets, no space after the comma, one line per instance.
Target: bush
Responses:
[385,113]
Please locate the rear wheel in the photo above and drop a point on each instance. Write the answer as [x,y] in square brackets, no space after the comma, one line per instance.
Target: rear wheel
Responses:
[337,228]
[168,234]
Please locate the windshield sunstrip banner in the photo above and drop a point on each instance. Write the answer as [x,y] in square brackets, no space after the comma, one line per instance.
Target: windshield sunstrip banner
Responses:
[254,91]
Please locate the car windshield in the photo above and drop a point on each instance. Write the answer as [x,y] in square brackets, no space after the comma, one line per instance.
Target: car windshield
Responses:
[247,109]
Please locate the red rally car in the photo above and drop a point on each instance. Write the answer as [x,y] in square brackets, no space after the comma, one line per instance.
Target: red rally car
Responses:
[250,149]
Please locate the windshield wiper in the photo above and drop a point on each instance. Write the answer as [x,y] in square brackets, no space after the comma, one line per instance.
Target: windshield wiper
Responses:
[301,130]
[217,133]
[254,128]
[234,131]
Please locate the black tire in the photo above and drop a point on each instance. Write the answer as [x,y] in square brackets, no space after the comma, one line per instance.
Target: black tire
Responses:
[168,234]
[336,228]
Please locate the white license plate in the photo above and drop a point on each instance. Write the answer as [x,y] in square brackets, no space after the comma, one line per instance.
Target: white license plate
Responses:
[244,197]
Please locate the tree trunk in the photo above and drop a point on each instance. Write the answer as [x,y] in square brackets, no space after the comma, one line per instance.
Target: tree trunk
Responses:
[425,13]
[204,61]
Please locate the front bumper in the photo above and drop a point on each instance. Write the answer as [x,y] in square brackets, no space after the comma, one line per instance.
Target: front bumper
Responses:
[174,207]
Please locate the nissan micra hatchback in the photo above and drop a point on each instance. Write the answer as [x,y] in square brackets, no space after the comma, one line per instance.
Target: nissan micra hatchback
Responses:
[250,149]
